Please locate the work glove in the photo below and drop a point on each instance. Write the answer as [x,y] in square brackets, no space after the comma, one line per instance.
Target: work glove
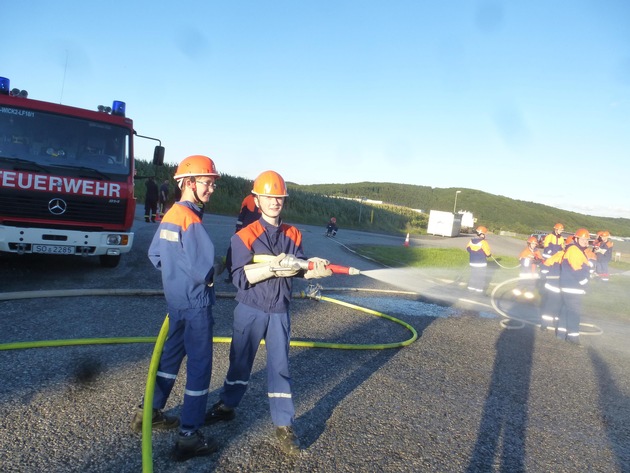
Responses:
[258,272]
[282,269]
[219,265]
[319,269]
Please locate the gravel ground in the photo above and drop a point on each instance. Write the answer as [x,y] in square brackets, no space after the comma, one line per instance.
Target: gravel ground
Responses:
[468,395]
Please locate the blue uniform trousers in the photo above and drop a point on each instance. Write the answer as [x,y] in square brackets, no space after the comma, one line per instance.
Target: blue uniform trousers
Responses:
[189,334]
[252,325]
[477,280]
[571,314]
[551,305]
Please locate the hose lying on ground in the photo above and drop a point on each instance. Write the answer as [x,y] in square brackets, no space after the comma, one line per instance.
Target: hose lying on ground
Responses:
[147,412]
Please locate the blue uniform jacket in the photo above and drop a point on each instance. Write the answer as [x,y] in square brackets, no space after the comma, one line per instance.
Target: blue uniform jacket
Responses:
[184,252]
[479,251]
[552,244]
[575,270]
[262,238]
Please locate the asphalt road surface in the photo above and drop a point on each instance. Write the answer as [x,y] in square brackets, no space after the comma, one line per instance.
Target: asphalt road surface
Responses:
[477,391]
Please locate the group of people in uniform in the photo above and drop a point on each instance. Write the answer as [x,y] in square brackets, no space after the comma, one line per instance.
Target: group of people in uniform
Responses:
[184,253]
[560,272]
[567,267]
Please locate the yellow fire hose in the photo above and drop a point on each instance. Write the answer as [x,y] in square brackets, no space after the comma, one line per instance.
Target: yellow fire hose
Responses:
[147,410]
[147,413]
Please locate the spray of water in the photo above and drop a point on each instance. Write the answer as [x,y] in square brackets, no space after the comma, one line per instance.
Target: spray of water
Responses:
[446,287]
[604,306]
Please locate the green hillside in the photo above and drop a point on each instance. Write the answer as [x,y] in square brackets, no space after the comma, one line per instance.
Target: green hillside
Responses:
[494,211]
[315,204]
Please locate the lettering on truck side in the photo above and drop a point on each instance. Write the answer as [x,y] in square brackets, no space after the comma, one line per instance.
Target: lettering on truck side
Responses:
[64,185]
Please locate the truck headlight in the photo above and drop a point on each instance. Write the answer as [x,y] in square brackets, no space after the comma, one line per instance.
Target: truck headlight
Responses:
[116,240]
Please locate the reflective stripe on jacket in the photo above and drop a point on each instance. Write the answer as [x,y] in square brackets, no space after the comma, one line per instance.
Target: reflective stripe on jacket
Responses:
[183,251]
[574,271]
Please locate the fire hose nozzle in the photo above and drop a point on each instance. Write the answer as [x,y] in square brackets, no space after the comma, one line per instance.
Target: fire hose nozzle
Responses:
[290,262]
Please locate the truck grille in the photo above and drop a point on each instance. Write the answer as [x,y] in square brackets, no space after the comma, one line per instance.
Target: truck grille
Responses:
[79,209]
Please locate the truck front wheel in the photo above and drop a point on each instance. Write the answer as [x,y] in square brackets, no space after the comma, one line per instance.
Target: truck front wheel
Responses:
[109,261]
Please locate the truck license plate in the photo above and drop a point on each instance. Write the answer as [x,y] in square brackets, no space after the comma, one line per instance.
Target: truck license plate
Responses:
[53,249]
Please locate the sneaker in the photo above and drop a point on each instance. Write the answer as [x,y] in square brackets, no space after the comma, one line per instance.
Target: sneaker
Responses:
[219,412]
[160,421]
[193,445]
[289,443]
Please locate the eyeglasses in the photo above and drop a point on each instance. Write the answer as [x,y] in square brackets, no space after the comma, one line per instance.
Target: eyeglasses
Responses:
[208,184]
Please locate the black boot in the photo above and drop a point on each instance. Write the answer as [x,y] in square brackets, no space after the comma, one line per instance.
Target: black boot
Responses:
[289,443]
[219,412]
[193,445]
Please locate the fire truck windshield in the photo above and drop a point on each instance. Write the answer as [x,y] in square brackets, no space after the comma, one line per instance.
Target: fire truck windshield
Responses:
[47,139]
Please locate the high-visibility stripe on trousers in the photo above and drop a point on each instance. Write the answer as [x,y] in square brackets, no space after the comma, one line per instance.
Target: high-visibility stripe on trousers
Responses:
[189,334]
[251,325]
[477,279]
[571,311]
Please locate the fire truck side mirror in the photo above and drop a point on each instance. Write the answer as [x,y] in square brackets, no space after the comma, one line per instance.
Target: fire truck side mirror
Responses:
[158,156]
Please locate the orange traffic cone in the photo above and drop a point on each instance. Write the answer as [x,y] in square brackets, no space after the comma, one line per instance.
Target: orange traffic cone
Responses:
[407,240]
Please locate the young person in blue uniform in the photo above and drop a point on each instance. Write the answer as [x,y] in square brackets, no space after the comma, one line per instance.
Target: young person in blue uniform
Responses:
[263,296]
[183,251]
[603,250]
[479,252]
[574,276]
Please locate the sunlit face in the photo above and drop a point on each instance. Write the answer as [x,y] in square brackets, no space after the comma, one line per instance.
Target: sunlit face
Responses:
[583,242]
[204,186]
[270,206]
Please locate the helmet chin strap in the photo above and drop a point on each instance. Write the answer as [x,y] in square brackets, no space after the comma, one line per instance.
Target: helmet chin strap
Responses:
[198,201]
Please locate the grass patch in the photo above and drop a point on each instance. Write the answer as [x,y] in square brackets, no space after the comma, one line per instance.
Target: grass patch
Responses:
[620,265]
[609,300]
[400,256]
[447,258]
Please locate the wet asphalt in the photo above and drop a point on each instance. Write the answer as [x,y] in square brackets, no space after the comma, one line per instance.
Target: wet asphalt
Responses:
[472,393]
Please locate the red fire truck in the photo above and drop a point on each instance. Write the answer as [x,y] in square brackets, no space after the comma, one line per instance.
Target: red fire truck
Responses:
[66,178]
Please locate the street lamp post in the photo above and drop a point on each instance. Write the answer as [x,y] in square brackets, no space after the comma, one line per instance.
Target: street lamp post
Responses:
[455,204]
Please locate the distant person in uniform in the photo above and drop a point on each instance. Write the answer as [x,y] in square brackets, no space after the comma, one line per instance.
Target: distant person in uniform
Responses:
[163,197]
[603,250]
[249,214]
[530,259]
[479,252]
[331,228]
[151,200]
[574,276]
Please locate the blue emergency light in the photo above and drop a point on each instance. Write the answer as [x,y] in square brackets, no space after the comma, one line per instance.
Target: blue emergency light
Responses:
[4,85]
[118,108]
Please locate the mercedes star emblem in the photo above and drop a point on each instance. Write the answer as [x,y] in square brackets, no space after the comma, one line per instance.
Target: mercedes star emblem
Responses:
[57,206]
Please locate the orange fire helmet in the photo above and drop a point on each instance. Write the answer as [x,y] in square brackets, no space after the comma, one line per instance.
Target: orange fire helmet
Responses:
[481,230]
[582,233]
[196,165]
[270,184]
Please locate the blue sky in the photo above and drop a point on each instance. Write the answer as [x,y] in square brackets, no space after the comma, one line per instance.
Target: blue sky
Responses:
[529,99]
